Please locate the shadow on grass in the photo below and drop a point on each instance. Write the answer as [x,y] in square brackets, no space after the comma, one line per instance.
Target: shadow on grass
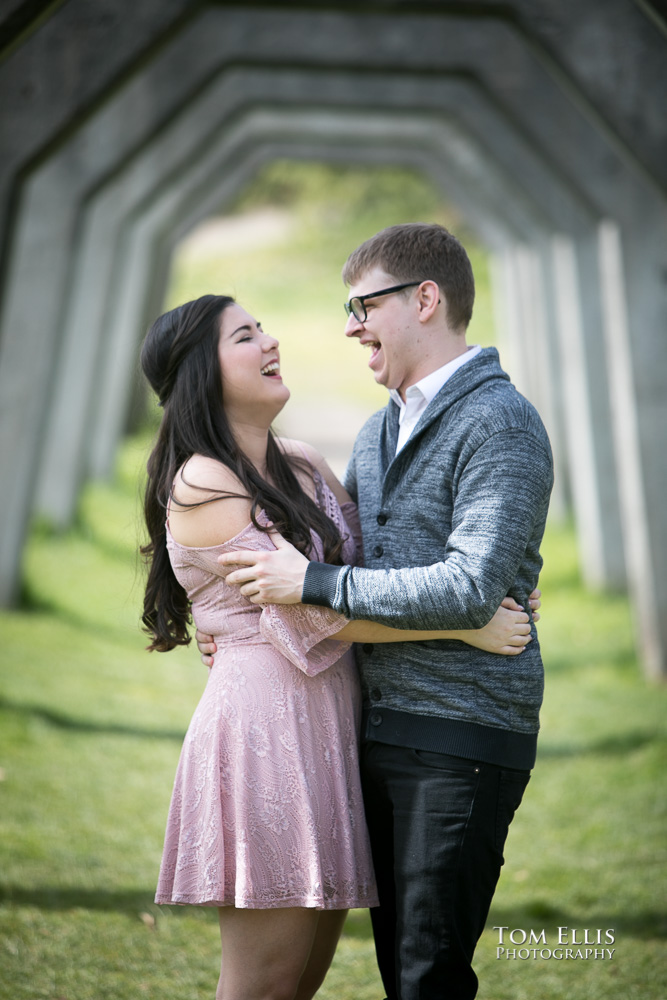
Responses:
[537,915]
[611,746]
[62,721]
[622,659]
[32,603]
[57,898]
[132,902]
[618,745]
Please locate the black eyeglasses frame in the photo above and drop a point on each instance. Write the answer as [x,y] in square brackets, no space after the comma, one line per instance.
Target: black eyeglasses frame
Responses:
[361,299]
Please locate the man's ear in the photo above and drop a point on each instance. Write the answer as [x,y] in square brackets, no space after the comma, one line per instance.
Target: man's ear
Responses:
[428,299]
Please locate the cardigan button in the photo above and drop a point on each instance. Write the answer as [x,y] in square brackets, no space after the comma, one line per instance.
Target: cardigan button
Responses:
[376,694]
[382,519]
[378,551]
[367,648]
[375,719]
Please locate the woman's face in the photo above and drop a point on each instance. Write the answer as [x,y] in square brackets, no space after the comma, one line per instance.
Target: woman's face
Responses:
[250,368]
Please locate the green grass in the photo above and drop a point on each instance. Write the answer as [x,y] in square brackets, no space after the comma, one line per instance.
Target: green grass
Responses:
[90,730]
[91,725]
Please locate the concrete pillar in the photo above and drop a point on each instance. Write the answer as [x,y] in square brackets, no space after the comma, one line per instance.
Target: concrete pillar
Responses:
[578,409]
[527,338]
[613,176]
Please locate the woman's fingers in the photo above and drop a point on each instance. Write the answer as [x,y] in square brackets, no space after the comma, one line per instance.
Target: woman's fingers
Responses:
[516,644]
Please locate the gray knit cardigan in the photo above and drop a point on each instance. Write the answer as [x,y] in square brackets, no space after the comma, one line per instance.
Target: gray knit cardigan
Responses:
[451,525]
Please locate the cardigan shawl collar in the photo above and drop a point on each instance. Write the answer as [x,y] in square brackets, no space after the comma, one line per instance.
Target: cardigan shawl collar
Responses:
[484,367]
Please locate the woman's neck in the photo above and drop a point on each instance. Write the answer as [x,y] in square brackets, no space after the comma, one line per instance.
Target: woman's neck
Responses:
[253,440]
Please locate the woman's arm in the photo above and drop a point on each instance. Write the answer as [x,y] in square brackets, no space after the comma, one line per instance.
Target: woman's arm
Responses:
[508,632]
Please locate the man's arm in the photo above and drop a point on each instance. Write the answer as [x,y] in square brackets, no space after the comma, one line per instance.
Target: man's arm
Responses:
[501,502]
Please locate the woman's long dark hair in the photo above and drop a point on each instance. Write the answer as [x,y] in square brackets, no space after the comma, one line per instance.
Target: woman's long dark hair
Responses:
[180,360]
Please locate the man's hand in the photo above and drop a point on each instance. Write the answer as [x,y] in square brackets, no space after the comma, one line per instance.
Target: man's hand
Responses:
[206,647]
[274,577]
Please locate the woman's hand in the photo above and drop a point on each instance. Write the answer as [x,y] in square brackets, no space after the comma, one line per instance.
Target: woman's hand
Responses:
[535,604]
[507,633]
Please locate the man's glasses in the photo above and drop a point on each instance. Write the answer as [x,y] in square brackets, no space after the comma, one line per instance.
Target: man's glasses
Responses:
[357,306]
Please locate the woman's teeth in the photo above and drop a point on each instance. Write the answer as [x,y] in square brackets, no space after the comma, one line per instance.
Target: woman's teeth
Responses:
[270,368]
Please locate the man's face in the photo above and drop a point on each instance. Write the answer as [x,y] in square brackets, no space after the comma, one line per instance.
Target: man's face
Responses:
[391,331]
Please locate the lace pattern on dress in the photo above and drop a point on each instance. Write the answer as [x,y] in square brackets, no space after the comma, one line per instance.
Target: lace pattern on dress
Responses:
[267,808]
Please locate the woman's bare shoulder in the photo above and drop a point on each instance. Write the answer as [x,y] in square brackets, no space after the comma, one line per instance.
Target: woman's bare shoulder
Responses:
[209,504]
[203,475]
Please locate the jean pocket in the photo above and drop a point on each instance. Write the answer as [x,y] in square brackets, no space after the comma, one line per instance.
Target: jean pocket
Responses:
[447,762]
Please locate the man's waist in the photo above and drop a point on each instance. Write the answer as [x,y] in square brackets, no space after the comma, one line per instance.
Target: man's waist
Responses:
[459,737]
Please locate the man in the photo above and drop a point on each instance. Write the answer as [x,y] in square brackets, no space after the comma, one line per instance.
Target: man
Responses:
[452,481]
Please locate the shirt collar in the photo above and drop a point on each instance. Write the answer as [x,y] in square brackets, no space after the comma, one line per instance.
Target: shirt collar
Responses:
[429,386]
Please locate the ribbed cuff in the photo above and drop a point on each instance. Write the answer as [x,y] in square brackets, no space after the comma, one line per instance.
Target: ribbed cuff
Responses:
[319,586]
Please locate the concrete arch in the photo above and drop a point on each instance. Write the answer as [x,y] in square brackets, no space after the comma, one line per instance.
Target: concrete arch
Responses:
[337,89]
[610,172]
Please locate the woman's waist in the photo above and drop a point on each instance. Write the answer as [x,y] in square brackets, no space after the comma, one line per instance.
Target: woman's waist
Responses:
[225,638]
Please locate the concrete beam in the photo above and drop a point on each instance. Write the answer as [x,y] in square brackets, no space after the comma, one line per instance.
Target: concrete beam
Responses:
[531,95]
[609,56]
[547,194]
[63,71]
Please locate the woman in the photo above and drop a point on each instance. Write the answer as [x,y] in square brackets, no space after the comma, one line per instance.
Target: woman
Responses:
[266,820]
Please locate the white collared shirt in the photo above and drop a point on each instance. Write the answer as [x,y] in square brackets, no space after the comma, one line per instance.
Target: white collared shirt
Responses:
[419,395]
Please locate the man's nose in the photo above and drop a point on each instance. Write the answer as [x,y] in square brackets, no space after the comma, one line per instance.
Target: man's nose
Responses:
[353,328]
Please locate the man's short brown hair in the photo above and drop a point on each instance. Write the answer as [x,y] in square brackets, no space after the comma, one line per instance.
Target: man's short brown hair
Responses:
[420,251]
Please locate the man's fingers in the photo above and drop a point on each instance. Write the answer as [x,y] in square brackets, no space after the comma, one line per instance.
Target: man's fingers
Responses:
[240,557]
[279,541]
[240,576]
[203,637]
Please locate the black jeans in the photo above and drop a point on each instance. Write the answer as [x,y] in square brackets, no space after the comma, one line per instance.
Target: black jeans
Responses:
[438,826]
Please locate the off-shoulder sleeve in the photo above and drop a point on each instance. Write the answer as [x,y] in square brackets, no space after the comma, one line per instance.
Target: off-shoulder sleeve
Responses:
[303,633]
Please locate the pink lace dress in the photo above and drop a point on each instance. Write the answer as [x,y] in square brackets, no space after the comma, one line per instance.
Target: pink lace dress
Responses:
[266,809]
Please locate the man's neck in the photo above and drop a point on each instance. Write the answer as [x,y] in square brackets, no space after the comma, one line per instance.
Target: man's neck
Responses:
[452,349]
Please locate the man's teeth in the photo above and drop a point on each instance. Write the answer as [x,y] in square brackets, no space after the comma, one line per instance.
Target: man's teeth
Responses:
[269,369]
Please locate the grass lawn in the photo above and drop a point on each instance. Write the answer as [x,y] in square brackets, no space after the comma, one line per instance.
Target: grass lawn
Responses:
[89,737]
[91,726]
